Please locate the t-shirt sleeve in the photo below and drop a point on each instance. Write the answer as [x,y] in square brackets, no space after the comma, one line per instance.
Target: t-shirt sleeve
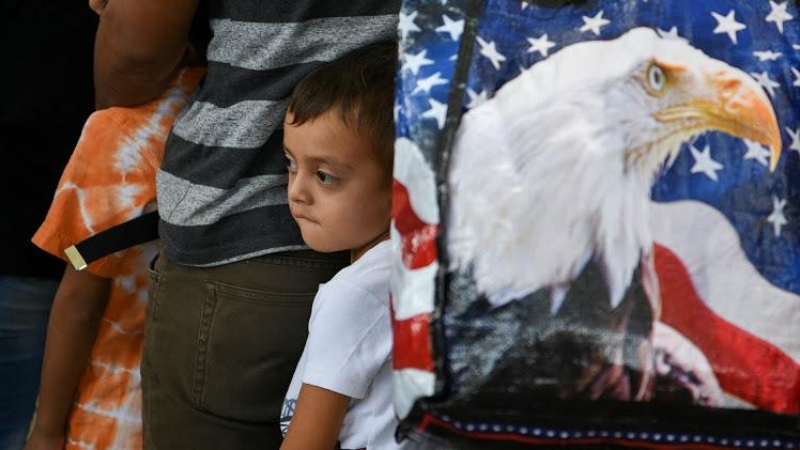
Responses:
[350,338]
[110,177]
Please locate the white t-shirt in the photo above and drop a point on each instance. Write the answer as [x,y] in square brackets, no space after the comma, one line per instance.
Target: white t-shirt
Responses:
[348,351]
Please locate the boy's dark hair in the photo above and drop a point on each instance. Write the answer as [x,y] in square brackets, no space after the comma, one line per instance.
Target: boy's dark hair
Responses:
[361,84]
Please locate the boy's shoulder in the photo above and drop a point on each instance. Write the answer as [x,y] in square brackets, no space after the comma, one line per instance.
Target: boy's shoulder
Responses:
[373,266]
[370,273]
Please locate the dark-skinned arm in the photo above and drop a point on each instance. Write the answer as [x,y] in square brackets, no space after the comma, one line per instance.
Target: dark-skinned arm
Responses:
[75,319]
[139,47]
[317,419]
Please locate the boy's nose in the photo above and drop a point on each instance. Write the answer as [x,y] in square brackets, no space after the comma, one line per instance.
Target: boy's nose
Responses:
[297,192]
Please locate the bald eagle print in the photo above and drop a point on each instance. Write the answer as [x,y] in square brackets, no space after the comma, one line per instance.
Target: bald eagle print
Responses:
[597,223]
[550,186]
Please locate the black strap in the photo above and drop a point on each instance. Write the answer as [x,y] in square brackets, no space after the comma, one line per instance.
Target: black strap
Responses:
[125,235]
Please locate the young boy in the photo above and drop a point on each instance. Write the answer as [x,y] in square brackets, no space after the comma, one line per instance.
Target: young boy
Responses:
[338,140]
[91,389]
[90,394]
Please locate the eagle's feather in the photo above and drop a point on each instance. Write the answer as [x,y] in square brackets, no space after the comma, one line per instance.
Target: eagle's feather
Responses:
[556,169]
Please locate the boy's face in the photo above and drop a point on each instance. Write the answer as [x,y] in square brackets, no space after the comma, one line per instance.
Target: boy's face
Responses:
[339,192]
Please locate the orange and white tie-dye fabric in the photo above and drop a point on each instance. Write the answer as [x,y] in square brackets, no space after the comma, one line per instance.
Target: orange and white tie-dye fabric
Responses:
[109,180]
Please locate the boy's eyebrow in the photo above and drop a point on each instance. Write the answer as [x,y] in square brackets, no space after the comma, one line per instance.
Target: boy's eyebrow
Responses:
[330,162]
[321,160]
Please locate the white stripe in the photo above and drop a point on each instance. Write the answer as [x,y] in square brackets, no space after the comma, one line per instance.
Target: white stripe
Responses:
[262,46]
[731,401]
[413,172]
[410,385]
[131,154]
[80,444]
[119,330]
[81,196]
[121,416]
[186,204]
[709,247]
[412,290]
[115,369]
[209,125]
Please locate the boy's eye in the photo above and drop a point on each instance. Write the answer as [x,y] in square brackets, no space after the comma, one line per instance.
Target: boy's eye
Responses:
[325,178]
[291,165]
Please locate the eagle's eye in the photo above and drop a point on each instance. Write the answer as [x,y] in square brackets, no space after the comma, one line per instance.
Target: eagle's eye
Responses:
[656,78]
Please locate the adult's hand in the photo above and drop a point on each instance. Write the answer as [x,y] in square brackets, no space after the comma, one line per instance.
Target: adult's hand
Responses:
[75,318]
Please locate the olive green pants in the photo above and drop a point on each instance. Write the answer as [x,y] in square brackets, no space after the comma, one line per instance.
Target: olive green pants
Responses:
[221,344]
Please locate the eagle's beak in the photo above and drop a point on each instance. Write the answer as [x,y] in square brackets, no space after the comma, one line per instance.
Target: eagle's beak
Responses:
[731,101]
[745,110]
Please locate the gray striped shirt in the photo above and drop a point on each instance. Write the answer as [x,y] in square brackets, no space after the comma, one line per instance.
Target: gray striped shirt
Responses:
[222,185]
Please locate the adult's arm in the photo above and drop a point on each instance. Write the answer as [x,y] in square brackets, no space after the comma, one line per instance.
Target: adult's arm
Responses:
[317,419]
[139,46]
[75,319]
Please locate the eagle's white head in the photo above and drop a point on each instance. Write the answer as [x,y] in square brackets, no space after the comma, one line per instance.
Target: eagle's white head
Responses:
[556,169]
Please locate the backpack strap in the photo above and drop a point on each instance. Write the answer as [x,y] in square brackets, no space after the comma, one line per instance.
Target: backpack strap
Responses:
[125,235]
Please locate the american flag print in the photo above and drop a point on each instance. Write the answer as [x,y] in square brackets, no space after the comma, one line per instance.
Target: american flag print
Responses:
[109,180]
[723,217]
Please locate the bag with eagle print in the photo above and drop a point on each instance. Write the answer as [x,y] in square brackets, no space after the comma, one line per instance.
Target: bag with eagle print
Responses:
[597,223]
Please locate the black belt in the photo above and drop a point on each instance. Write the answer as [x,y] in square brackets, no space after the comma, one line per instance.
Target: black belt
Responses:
[125,235]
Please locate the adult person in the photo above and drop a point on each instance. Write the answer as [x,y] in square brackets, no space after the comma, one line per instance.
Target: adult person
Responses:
[47,95]
[90,394]
[232,288]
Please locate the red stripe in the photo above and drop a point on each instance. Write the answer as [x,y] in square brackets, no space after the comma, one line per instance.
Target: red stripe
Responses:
[418,237]
[750,368]
[412,343]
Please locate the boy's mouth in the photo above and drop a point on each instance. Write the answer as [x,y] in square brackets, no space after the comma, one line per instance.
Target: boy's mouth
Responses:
[298,215]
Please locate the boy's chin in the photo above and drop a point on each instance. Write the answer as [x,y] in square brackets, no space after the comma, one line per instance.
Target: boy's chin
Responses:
[321,247]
